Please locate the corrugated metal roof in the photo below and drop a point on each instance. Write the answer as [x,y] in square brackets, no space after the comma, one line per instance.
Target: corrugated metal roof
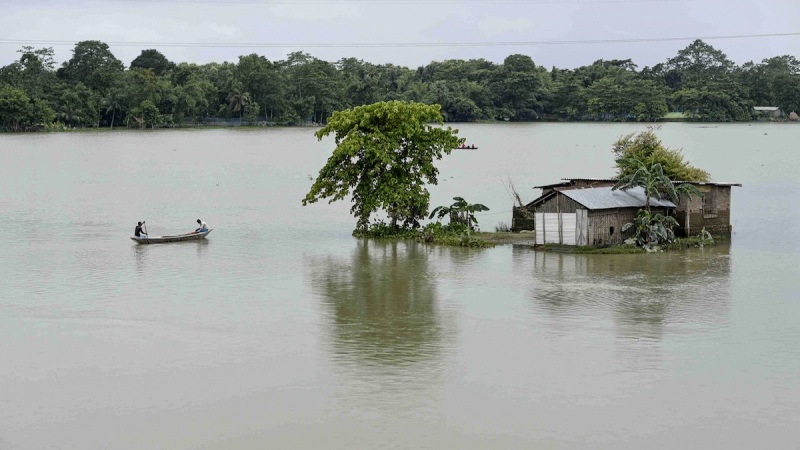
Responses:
[766,108]
[708,183]
[569,181]
[606,198]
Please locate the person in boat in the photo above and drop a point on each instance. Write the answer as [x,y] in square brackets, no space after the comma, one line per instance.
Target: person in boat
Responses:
[463,145]
[203,226]
[138,232]
[473,146]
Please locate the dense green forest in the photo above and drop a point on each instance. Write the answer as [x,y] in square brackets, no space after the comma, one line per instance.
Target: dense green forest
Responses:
[95,89]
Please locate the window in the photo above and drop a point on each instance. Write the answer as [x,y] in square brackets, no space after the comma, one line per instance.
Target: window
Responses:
[611,231]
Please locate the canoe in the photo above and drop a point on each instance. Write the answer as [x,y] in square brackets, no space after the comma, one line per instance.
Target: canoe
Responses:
[193,236]
[466,148]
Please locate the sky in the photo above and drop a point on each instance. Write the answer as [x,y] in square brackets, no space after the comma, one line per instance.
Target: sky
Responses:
[412,33]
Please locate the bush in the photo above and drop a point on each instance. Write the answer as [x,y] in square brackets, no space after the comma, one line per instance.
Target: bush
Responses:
[502,227]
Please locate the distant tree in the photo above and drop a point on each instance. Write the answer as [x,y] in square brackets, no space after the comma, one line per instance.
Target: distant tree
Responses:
[14,108]
[384,156]
[92,64]
[237,100]
[699,64]
[146,114]
[154,60]
[633,150]
[519,88]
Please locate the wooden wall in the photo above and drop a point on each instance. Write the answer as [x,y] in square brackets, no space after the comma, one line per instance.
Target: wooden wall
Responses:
[712,212]
[559,203]
[522,219]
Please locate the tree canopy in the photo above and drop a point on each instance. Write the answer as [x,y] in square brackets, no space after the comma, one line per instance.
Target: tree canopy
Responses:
[700,83]
[384,158]
[636,149]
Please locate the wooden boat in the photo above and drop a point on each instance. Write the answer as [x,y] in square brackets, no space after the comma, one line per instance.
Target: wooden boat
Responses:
[466,148]
[193,236]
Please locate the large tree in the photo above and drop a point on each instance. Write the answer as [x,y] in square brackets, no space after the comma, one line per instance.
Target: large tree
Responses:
[154,60]
[632,150]
[384,156]
[92,64]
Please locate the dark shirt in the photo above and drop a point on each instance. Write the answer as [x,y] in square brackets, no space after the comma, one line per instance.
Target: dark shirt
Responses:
[138,231]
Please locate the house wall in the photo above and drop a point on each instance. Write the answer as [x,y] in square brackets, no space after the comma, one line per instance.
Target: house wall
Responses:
[559,203]
[522,219]
[712,212]
[601,222]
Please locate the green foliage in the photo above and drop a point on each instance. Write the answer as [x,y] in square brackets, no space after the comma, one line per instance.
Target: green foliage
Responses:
[454,234]
[382,230]
[147,115]
[92,64]
[460,212]
[384,157]
[154,60]
[647,149]
[699,83]
[652,229]
[14,107]
[654,183]
[704,238]
[237,100]
[457,235]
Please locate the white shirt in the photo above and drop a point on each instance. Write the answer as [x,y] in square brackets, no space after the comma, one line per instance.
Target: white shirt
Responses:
[203,224]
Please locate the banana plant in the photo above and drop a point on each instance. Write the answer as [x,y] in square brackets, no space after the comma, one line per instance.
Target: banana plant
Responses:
[460,212]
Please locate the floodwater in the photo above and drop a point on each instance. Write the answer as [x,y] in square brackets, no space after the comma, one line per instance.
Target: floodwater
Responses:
[283,331]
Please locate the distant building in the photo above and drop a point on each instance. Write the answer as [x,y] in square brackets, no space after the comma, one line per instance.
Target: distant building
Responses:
[769,112]
[583,211]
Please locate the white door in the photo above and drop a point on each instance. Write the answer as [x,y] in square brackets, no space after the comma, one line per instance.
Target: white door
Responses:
[568,222]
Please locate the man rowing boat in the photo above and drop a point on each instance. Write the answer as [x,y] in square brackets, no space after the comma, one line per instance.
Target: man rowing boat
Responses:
[203,227]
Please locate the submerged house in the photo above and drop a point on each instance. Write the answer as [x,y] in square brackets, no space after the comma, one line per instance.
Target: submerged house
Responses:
[586,211]
[590,215]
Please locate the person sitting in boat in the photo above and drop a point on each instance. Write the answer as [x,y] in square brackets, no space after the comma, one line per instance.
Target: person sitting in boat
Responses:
[203,227]
[463,145]
[138,232]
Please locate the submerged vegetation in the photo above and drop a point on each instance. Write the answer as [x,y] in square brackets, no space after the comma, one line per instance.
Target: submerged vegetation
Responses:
[94,89]
[452,234]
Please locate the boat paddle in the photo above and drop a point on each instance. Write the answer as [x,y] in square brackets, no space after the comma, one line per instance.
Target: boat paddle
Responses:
[145,228]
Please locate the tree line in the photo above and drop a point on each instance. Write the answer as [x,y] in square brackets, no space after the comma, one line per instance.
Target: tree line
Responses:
[95,89]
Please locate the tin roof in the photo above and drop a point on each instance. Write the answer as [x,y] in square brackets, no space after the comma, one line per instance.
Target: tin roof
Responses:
[570,181]
[766,108]
[607,198]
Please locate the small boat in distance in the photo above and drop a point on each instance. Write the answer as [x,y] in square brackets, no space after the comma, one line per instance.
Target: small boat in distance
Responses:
[467,147]
[193,236]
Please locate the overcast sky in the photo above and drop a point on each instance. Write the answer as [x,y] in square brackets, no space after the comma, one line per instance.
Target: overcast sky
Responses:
[561,33]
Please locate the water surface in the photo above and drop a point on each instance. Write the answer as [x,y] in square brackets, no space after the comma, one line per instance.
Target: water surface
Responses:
[283,331]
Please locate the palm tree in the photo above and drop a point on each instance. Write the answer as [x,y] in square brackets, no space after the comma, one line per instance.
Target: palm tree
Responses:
[655,183]
[237,100]
[69,109]
[111,104]
[460,212]
[652,229]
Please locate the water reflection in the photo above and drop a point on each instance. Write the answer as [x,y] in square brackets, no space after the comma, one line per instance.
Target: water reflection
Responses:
[645,294]
[381,305]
